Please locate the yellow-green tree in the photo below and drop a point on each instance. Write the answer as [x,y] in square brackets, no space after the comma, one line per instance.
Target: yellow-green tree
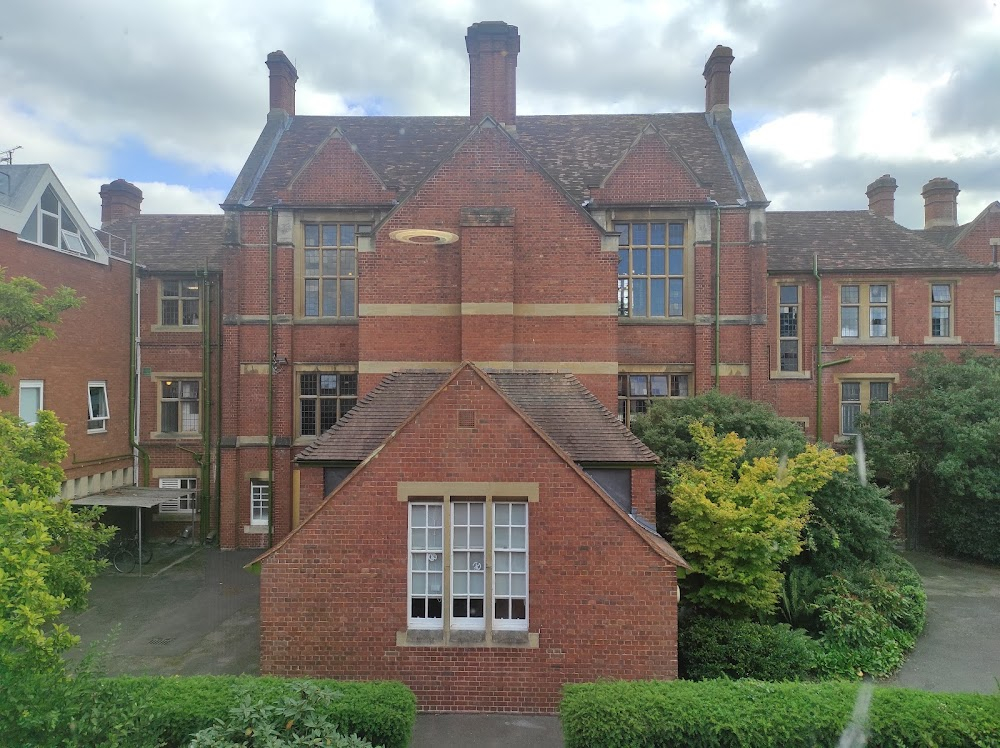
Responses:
[736,526]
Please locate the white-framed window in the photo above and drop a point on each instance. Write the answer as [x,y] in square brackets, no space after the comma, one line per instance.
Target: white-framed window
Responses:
[260,502]
[31,399]
[185,504]
[50,224]
[450,582]
[941,310]
[180,406]
[637,391]
[97,407]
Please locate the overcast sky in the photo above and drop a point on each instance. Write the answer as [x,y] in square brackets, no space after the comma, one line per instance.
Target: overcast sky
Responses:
[826,94]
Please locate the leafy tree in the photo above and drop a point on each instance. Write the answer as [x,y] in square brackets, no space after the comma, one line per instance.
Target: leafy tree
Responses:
[941,436]
[48,548]
[666,429]
[738,523]
[25,316]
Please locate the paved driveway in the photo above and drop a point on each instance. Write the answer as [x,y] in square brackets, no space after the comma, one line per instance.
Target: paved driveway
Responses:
[960,647]
[195,611]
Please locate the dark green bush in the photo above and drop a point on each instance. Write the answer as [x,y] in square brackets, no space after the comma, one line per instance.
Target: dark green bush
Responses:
[723,648]
[751,714]
[850,524]
[967,526]
[143,712]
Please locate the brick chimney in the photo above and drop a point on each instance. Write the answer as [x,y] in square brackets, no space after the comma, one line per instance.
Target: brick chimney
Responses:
[881,197]
[493,48]
[717,78]
[120,199]
[940,203]
[282,79]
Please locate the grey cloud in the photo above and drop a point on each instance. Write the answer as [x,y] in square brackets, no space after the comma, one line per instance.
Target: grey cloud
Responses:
[969,103]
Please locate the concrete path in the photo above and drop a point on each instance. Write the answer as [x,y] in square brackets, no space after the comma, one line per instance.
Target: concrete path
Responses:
[959,649]
[195,611]
[486,731]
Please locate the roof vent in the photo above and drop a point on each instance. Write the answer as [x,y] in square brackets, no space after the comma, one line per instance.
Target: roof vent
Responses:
[466,419]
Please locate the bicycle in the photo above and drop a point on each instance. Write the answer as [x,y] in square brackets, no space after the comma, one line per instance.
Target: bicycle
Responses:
[124,553]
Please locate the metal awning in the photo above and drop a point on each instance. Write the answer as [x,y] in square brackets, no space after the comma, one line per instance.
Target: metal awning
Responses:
[143,498]
[132,496]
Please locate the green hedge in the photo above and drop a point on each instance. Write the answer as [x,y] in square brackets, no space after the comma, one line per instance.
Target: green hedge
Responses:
[166,711]
[723,648]
[752,713]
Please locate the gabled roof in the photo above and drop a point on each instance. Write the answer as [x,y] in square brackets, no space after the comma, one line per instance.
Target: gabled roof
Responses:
[638,525]
[21,190]
[577,151]
[557,404]
[853,240]
[181,243]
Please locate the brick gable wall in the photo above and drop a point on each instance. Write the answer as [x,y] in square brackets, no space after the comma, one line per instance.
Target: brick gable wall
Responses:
[602,602]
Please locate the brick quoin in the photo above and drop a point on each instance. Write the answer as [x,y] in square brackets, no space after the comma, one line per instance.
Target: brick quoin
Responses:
[602,601]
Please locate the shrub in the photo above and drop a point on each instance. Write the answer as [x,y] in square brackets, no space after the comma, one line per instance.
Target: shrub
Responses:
[870,619]
[298,720]
[967,526]
[750,714]
[724,648]
[143,712]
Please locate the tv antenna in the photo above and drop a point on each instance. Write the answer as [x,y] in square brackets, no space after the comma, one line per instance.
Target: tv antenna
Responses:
[7,157]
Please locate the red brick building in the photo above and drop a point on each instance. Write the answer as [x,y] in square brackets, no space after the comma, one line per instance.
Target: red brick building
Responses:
[454,278]
[83,373]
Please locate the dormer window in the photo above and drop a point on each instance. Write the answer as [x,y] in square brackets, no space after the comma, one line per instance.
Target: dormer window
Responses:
[51,225]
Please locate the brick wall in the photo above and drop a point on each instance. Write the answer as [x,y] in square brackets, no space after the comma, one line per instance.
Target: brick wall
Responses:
[91,344]
[602,602]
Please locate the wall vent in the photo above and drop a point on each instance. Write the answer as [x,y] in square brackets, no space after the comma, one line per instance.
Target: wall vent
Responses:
[466,419]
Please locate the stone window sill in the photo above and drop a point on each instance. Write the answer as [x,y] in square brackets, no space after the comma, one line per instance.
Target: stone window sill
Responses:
[865,341]
[461,638]
[931,340]
[655,321]
[791,375]
[255,529]
[174,436]
[175,328]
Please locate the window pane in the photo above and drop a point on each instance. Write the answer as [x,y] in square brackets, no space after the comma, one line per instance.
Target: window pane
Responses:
[347,265]
[850,391]
[347,236]
[622,262]
[789,354]
[849,417]
[30,404]
[328,384]
[677,262]
[312,236]
[658,234]
[50,230]
[941,321]
[788,294]
[189,390]
[327,413]
[788,323]
[679,385]
[658,386]
[879,316]
[849,322]
[657,262]
[639,261]
[330,298]
[347,298]
[638,234]
[168,312]
[941,293]
[171,288]
[878,294]
[190,314]
[308,417]
[30,230]
[638,385]
[348,384]
[622,230]
[312,298]
[676,297]
[657,302]
[330,235]
[171,389]
[168,417]
[639,297]
[330,262]
[676,234]
[879,391]
[49,201]
[98,403]
[307,384]
[849,294]
[312,262]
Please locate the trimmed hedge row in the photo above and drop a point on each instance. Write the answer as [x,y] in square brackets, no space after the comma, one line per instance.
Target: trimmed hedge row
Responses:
[167,711]
[755,713]
[723,648]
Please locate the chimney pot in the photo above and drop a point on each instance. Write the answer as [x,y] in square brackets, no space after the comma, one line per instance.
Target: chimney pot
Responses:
[282,82]
[493,47]
[716,74]
[119,199]
[940,203]
[881,197]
